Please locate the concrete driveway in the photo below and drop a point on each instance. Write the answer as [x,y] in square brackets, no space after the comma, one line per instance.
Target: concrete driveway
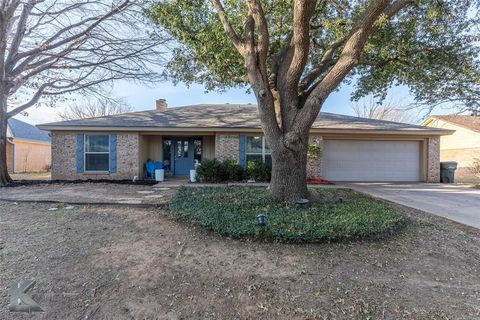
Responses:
[459,203]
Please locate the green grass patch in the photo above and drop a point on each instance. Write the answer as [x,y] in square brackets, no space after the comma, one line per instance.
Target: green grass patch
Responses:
[231,211]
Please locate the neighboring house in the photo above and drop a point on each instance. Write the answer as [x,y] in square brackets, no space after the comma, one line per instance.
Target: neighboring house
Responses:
[463,146]
[351,148]
[28,148]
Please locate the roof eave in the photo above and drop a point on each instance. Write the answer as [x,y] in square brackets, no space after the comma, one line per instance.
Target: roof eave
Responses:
[434,132]
[426,132]
[31,141]
[453,123]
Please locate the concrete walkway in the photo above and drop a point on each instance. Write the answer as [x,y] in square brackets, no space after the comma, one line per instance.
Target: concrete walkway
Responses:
[100,193]
[89,193]
[459,203]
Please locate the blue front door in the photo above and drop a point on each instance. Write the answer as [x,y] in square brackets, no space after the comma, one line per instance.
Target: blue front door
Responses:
[183,156]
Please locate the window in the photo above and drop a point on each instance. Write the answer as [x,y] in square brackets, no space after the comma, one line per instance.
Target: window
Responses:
[97,153]
[197,149]
[167,152]
[179,149]
[258,150]
[185,149]
[182,149]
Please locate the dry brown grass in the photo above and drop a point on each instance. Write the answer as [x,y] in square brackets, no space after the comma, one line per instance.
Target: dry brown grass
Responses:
[135,263]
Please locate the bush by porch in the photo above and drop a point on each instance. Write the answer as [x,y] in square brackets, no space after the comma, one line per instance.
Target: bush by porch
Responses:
[229,170]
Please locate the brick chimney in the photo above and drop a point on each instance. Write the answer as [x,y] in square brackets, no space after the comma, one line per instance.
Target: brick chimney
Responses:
[161,104]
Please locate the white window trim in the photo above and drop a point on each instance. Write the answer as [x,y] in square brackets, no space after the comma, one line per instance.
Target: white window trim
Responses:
[263,153]
[85,153]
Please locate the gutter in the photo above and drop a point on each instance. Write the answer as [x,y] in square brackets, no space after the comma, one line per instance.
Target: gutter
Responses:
[433,131]
[428,121]
[33,141]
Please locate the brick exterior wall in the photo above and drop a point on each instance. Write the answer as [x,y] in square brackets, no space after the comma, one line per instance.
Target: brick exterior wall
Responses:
[9,157]
[314,160]
[64,165]
[127,155]
[433,159]
[227,146]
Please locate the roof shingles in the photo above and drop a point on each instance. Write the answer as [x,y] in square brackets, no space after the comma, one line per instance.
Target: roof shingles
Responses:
[225,116]
[469,122]
[23,130]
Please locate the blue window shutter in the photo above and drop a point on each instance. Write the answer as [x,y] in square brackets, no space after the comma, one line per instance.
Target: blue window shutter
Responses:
[242,149]
[80,153]
[113,153]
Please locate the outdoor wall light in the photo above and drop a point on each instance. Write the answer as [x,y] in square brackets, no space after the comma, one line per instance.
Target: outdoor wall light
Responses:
[262,220]
[302,202]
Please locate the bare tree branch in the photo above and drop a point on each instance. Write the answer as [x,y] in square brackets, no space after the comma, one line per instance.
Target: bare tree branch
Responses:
[97,108]
[87,43]
[47,45]
[50,48]
[19,34]
[389,110]
[33,100]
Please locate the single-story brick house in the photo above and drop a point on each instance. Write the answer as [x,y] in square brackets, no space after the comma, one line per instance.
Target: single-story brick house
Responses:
[28,148]
[463,146]
[352,149]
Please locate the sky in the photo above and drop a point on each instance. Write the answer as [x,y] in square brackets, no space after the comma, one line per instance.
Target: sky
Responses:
[142,97]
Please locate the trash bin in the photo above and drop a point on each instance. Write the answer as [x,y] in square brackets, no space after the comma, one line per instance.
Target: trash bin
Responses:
[160,175]
[447,171]
[193,175]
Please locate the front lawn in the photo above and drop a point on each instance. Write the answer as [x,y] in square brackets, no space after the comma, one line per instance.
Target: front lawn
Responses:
[342,214]
[121,262]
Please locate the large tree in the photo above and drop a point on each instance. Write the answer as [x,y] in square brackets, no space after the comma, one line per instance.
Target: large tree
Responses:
[51,48]
[294,53]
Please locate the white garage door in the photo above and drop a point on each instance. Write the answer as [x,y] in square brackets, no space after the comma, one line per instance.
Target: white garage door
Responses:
[359,160]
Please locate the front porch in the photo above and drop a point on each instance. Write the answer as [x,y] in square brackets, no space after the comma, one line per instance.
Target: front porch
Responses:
[178,153]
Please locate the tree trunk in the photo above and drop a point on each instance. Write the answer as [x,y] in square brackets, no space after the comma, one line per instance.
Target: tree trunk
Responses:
[289,172]
[4,176]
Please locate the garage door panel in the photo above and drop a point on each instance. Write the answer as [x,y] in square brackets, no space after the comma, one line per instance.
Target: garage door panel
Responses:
[361,160]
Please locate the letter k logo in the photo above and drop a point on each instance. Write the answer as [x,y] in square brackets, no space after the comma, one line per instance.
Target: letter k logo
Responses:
[19,300]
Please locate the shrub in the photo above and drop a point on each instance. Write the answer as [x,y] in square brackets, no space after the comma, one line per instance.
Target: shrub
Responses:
[211,171]
[216,171]
[259,171]
[233,170]
[232,211]
[229,170]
